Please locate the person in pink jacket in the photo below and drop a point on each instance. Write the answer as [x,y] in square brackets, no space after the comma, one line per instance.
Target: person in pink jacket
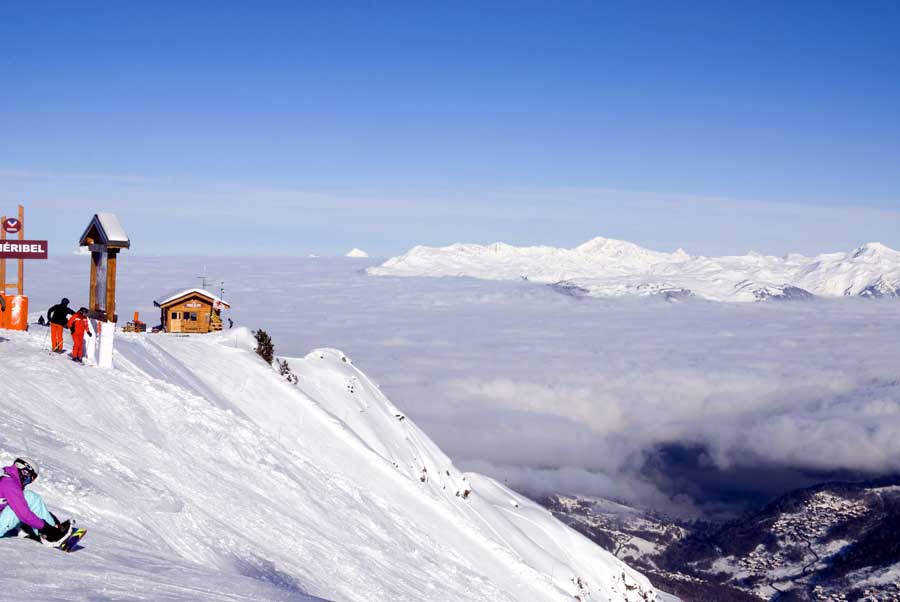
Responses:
[20,509]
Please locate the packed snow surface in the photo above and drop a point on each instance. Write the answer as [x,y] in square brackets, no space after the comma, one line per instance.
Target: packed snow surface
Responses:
[202,474]
[605,267]
[358,253]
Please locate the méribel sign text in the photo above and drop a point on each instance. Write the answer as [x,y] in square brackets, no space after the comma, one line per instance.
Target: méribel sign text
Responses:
[23,249]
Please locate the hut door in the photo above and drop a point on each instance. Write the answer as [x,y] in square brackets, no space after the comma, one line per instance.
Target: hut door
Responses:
[174,321]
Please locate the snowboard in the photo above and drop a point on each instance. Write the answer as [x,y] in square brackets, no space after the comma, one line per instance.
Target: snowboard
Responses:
[71,542]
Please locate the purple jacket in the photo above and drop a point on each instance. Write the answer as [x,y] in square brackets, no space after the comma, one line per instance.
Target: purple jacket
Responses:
[12,494]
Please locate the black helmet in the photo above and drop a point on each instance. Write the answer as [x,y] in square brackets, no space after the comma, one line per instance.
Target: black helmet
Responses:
[27,470]
[64,301]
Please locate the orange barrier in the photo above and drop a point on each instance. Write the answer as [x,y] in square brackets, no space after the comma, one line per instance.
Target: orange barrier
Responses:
[3,313]
[16,317]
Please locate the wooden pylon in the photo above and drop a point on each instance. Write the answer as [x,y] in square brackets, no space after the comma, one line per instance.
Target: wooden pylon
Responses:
[20,281]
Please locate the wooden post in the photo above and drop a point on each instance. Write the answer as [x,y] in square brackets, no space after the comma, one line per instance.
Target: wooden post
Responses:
[111,284]
[93,302]
[3,261]
[21,261]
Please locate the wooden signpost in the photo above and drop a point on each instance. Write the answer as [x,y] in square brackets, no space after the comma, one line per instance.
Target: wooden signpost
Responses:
[105,237]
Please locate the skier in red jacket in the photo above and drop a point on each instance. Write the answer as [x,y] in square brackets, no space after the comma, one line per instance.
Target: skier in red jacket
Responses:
[78,324]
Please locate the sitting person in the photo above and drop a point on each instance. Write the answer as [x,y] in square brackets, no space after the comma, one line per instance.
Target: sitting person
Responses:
[25,509]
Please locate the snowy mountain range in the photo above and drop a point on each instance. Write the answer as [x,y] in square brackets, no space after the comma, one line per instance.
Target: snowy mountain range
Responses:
[604,267]
[204,474]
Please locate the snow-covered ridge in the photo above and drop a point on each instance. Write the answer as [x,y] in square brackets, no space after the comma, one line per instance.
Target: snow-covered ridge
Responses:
[605,267]
[203,475]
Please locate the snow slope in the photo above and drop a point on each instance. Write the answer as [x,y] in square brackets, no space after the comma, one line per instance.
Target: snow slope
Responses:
[204,475]
[356,253]
[604,267]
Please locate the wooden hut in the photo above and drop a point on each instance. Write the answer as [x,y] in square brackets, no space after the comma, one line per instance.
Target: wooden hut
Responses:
[193,310]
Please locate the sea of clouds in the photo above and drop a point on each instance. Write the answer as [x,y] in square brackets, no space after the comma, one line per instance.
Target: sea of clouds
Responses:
[665,405]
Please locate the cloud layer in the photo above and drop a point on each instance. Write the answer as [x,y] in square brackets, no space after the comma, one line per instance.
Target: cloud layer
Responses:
[552,393]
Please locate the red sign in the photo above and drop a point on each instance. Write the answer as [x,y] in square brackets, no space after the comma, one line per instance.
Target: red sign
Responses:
[23,249]
[12,225]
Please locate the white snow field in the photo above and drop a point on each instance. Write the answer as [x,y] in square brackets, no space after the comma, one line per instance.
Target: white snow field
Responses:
[202,474]
[356,253]
[604,267]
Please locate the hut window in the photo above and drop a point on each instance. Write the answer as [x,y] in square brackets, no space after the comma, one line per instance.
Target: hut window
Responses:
[174,315]
[190,315]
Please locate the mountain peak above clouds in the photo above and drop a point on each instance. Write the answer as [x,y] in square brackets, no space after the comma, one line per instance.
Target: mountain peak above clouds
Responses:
[622,249]
[605,267]
[875,249]
[600,244]
[500,248]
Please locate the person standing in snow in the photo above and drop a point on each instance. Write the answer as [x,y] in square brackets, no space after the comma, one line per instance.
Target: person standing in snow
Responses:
[19,507]
[58,316]
[78,324]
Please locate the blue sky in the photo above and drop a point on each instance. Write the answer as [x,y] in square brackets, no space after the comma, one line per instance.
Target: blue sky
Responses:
[302,128]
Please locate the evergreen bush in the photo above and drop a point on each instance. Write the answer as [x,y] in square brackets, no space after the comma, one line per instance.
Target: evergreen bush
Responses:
[264,346]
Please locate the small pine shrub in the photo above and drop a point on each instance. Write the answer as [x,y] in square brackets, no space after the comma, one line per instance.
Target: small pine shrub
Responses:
[264,346]
[286,372]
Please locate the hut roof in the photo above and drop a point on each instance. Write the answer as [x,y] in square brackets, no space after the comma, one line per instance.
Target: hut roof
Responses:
[105,228]
[179,294]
